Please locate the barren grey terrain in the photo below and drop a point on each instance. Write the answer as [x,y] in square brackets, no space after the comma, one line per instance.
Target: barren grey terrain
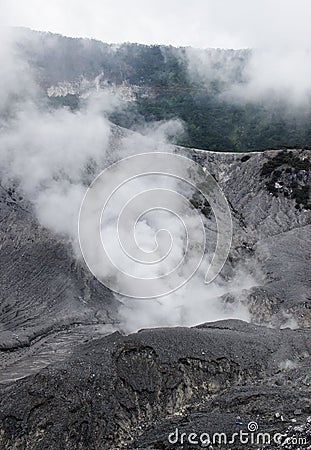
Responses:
[68,383]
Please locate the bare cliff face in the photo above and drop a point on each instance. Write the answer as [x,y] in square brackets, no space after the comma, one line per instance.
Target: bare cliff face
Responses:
[65,384]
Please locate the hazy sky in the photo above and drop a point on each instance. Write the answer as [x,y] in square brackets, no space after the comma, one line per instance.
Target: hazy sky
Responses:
[201,23]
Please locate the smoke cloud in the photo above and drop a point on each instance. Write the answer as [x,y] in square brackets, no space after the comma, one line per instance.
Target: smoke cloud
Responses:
[262,75]
[278,73]
[53,155]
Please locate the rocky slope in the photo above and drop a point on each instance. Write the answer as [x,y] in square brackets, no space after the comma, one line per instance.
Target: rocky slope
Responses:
[65,386]
[133,391]
[269,227]
[48,300]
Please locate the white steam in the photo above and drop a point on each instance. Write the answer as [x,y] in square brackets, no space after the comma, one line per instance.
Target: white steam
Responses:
[283,74]
[259,75]
[54,154]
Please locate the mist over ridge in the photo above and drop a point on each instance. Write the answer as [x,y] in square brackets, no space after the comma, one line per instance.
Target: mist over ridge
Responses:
[228,100]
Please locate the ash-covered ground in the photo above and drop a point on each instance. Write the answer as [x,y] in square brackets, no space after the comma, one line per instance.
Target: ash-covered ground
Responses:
[71,379]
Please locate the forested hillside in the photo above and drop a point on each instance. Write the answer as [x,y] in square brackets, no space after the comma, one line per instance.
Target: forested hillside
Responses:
[162,85]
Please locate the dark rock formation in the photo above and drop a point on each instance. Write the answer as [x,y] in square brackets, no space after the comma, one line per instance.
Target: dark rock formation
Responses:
[133,391]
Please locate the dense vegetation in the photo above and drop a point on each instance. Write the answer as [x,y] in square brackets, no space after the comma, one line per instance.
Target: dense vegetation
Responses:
[164,89]
[211,121]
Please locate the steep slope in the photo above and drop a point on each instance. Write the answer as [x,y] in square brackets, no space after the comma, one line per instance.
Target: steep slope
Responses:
[193,85]
[271,230]
[45,293]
